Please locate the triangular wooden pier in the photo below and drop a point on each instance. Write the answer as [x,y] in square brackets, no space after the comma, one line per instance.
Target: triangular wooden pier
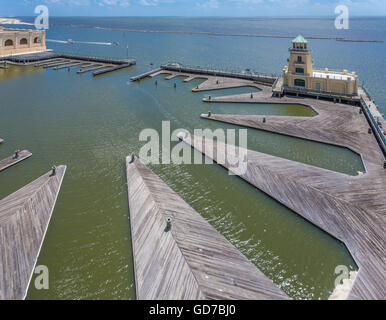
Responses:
[188,258]
[24,219]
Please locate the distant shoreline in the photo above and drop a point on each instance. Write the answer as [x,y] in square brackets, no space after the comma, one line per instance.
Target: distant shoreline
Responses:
[13,21]
[221,34]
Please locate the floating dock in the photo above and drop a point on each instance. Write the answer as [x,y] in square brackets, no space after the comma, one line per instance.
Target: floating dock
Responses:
[188,258]
[145,75]
[111,69]
[178,70]
[24,219]
[12,160]
[59,61]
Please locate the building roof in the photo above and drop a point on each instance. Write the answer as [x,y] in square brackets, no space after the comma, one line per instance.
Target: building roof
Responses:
[299,39]
[336,76]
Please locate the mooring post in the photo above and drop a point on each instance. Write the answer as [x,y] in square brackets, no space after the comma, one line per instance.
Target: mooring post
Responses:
[360,110]
[53,171]
[16,155]
[264,120]
[209,114]
[369,131]
[209,98]
[168,224]
[251,95]
[132,158]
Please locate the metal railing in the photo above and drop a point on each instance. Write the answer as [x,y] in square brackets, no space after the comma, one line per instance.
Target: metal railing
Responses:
[274,84]
[374,121]
[249,75]
[304,90]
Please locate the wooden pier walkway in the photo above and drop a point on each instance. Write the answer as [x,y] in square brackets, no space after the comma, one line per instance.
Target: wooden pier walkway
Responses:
[111,69]
[189,259]
[59,61]
[24,219]
[75,64]
[210,83]
[192,73]
[350,208]
[12,160]
[91,68]
[144,75]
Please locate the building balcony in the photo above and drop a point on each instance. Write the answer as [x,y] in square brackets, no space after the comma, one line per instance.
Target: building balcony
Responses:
[298,50]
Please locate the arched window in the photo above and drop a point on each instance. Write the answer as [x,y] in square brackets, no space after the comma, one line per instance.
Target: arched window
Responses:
[8,43]
[23,41]
[37,40]
[300,83]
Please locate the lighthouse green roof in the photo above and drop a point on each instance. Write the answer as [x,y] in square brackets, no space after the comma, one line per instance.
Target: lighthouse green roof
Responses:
[299,39]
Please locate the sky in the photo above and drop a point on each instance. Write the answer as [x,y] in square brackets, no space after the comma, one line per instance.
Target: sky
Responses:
[10,8]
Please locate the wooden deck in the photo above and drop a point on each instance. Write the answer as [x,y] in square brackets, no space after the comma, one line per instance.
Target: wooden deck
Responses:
[60,61]
[191,260]
[24,219]
[211,82]
[112,68]
[350,208]
[11,160]
[144,75]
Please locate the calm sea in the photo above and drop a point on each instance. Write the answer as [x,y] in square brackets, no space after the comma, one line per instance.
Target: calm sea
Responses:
[91,124]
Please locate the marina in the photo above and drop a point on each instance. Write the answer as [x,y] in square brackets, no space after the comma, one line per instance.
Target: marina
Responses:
[310,200]
[332,201]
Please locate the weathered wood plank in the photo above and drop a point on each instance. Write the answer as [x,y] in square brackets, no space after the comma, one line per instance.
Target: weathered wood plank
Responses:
[24,219]
[12,160]
[191,260]
[328,200]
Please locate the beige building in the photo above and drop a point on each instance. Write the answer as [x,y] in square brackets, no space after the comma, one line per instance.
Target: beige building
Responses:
[300,73]
[20,41]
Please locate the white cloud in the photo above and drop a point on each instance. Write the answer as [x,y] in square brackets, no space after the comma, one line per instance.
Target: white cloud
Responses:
[211,4]
[114,3]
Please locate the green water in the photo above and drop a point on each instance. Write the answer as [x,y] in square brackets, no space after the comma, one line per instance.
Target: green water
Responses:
[91,125]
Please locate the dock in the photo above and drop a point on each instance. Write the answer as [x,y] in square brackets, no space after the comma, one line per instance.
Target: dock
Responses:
[185,258]
[90,68]
[60,61]
[176,69]
[349,208]
[12,160]
[24,220]
[66,66]
[111,69]
[144,75]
